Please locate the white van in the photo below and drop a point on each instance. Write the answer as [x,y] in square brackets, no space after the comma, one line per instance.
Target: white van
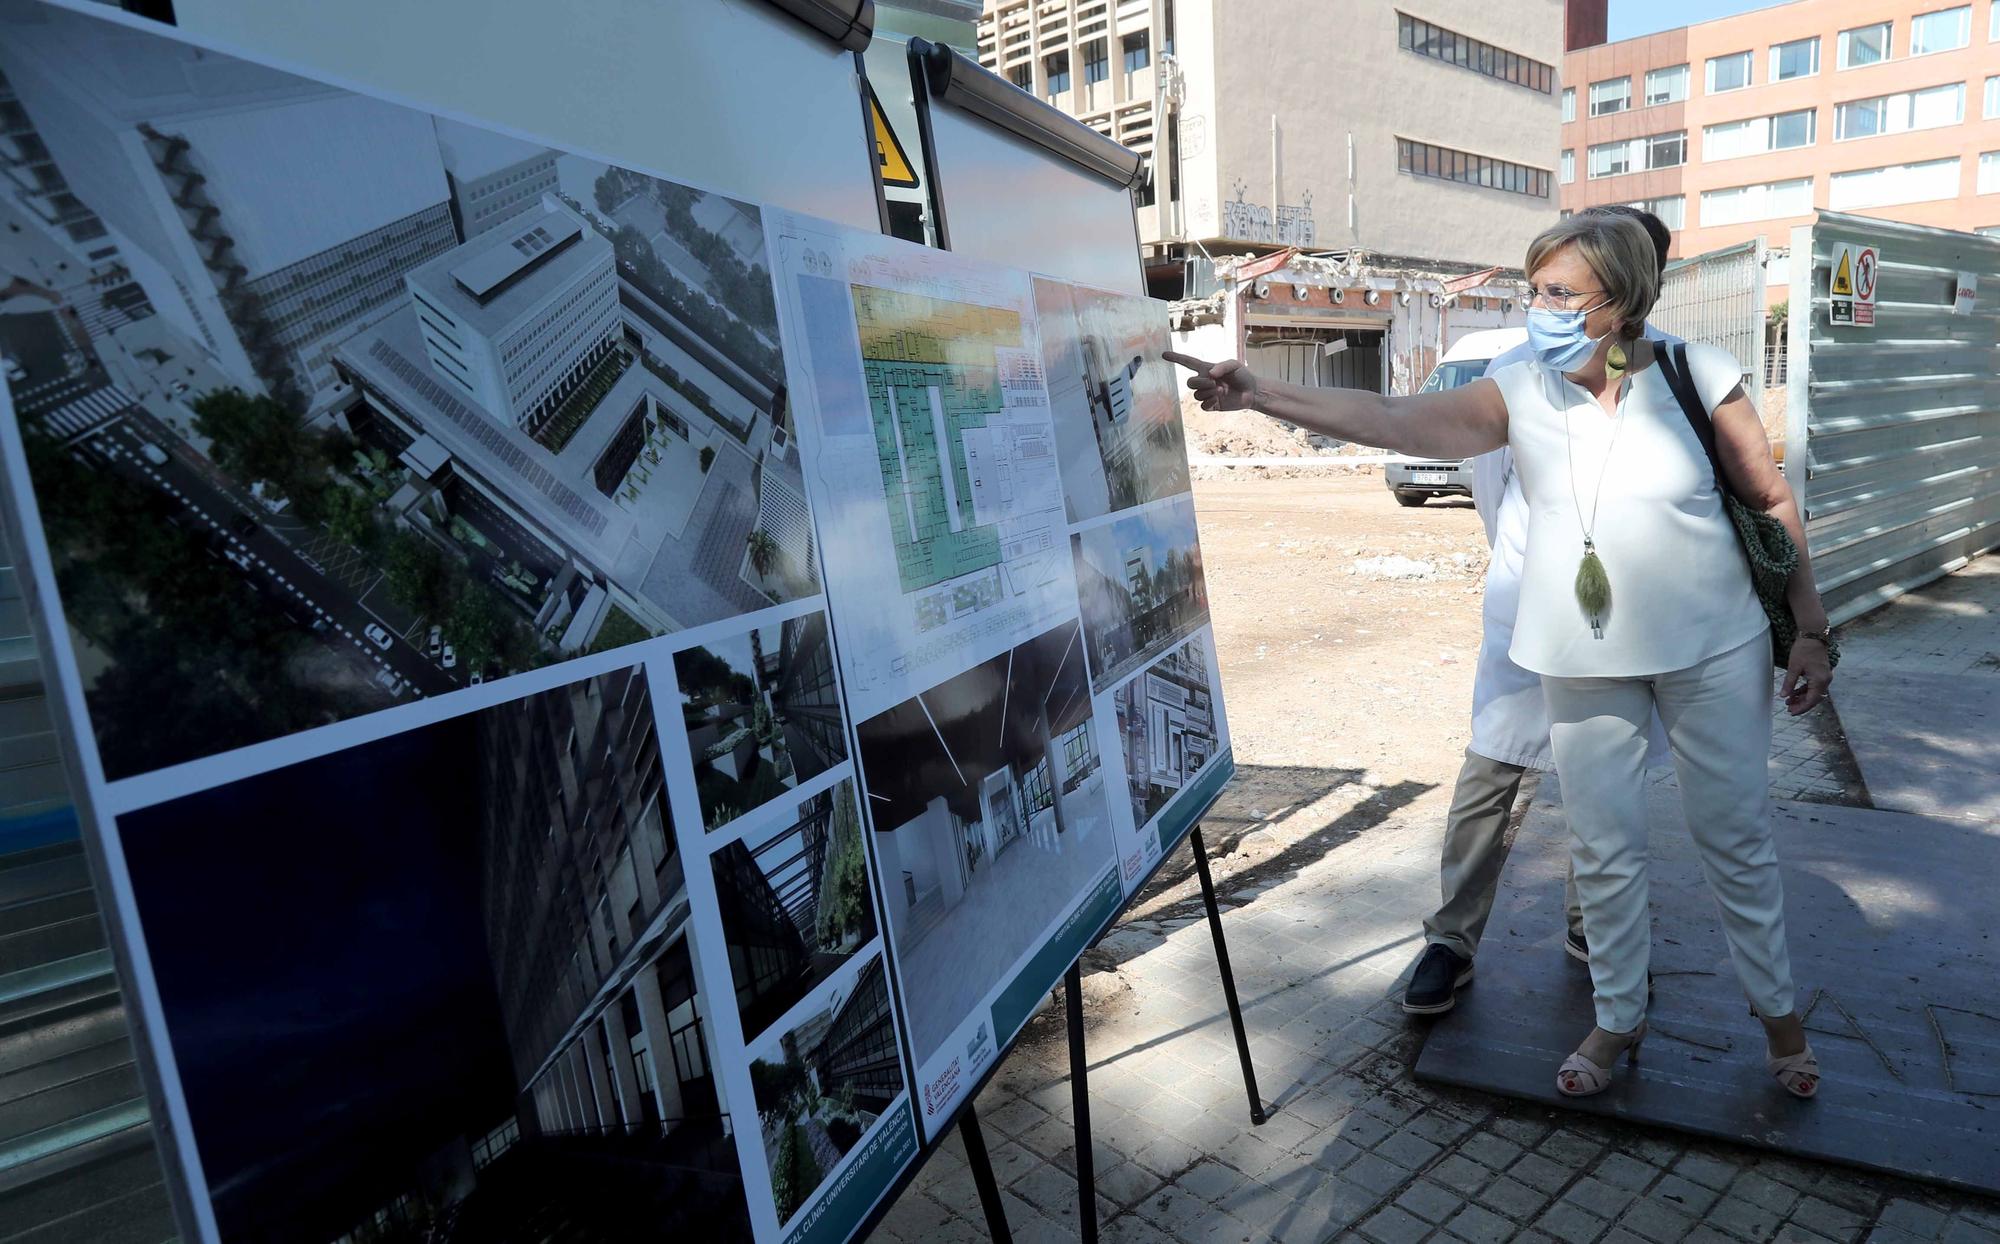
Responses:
[1416,480]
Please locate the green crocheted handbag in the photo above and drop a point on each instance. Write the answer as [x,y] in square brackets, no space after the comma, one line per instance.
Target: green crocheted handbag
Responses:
[1766,544]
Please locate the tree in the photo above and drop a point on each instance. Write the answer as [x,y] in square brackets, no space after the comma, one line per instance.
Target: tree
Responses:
[417,574]
[350,519]
[707,458]
[257,438]
[763,551]
[608,191]
[475,624]
[777,1087]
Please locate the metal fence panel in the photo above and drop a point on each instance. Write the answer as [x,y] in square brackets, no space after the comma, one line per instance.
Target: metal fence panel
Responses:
[1893,431]
[1718,299]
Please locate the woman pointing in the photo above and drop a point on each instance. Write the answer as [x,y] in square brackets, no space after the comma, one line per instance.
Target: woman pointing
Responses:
[1635,594]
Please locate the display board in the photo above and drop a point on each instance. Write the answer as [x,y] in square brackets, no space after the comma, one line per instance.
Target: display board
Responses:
[587,694]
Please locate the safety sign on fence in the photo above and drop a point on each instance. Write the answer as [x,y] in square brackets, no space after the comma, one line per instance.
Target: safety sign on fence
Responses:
[1851,291]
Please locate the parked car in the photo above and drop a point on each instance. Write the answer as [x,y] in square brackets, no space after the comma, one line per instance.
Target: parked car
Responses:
[242,525]
[153,453]
[376,635]
[436,641]
[15,372]
[450,657]
[1416,480]
[386,679]
[476,679]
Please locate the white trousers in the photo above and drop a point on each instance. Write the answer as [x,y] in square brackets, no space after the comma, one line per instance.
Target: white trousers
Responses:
[1718,720]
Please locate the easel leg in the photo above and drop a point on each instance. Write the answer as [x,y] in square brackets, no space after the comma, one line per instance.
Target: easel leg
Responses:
[982,1176]
[1228,977]
[1079,1099]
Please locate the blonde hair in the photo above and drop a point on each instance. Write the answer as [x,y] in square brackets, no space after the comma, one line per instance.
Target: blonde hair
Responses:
[1620,254]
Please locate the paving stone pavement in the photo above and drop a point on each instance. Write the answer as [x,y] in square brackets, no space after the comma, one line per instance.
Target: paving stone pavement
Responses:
[1354,1147]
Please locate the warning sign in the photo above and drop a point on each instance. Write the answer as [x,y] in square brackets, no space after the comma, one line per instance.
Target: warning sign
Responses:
[1851,288]
[889,154]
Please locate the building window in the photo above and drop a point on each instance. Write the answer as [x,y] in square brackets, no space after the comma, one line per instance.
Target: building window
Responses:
[1758,135]
[1672,210]
[1866,45]
[1768,201]
[1666,86]
[1614,95]
[1946,30]
[1993,29]
[1137,54]
[1414,34]
[1896,114]
[1795,129]
[1023,76]
[1633,155]
[1989,173]
[1568,166]
[1797,59]
[1993,93]
[1569,94]
[1445,164]
[1666,150]
[1728,73]
[1096,61]
[1894,184]
[1055,69]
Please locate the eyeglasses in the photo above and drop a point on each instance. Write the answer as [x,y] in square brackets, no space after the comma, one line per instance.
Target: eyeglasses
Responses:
[1558,297]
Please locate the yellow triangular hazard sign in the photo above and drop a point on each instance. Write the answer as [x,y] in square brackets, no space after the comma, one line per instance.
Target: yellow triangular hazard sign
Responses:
[889,153]
[1843,276]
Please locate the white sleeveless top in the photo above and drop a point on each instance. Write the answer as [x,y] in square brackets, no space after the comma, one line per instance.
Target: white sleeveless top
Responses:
[1680,587]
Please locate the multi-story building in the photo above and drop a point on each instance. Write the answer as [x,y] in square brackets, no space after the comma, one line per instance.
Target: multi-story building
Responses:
[493,177]
[518,316]
[265,216]
[1406,150]
[1273,122]
[586,914]
[1744,126]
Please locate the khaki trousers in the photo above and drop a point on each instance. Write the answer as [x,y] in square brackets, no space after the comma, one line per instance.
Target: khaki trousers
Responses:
[1476,842]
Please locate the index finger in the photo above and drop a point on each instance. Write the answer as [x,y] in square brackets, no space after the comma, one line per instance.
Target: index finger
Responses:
[1188,361]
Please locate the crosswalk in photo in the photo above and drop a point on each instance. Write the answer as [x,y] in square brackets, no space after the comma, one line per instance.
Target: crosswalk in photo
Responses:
[92,410]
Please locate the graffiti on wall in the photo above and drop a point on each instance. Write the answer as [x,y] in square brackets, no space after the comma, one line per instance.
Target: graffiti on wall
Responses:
[1245,221]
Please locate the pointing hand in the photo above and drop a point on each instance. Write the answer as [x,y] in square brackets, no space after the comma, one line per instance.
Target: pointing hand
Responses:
[1227,385]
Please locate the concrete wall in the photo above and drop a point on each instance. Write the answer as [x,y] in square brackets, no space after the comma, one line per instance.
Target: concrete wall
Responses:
[1327,72]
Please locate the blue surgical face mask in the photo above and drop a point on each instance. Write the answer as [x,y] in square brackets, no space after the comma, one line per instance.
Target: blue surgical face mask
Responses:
[1558,339]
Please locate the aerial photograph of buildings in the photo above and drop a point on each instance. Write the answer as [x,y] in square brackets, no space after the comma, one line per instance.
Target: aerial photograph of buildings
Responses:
[1115,402]
[822,1083]
[394,1025]
[762,714]
[990,820]
[1167,726]
[1139,578]
[794,904]
[330,404]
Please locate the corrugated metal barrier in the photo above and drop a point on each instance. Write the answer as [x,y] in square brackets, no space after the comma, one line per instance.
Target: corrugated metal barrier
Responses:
[1893,433]
[1718,299]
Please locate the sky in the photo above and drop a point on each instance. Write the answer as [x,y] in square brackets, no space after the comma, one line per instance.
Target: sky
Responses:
[1630,18]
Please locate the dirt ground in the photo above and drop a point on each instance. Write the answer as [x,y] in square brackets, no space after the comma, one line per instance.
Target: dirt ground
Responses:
[1348,690]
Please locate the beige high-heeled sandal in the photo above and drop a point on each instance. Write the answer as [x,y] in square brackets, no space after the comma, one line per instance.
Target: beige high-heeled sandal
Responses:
[1579,1077]
[1797,1073]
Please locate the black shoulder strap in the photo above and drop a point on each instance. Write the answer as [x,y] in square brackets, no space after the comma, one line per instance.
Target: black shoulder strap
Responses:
[1680,378]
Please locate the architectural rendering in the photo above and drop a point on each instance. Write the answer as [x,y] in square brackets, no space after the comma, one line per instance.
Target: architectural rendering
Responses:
[794,904]
[1167,726]
[1140,580]
[1113,399]
[762,714]
[990,819]
[332,404]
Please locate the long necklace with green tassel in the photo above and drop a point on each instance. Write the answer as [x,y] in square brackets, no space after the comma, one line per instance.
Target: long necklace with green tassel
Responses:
[1593,586]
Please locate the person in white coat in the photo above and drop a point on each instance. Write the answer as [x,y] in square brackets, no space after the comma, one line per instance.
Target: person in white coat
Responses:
[1636,598]
[1510,727]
